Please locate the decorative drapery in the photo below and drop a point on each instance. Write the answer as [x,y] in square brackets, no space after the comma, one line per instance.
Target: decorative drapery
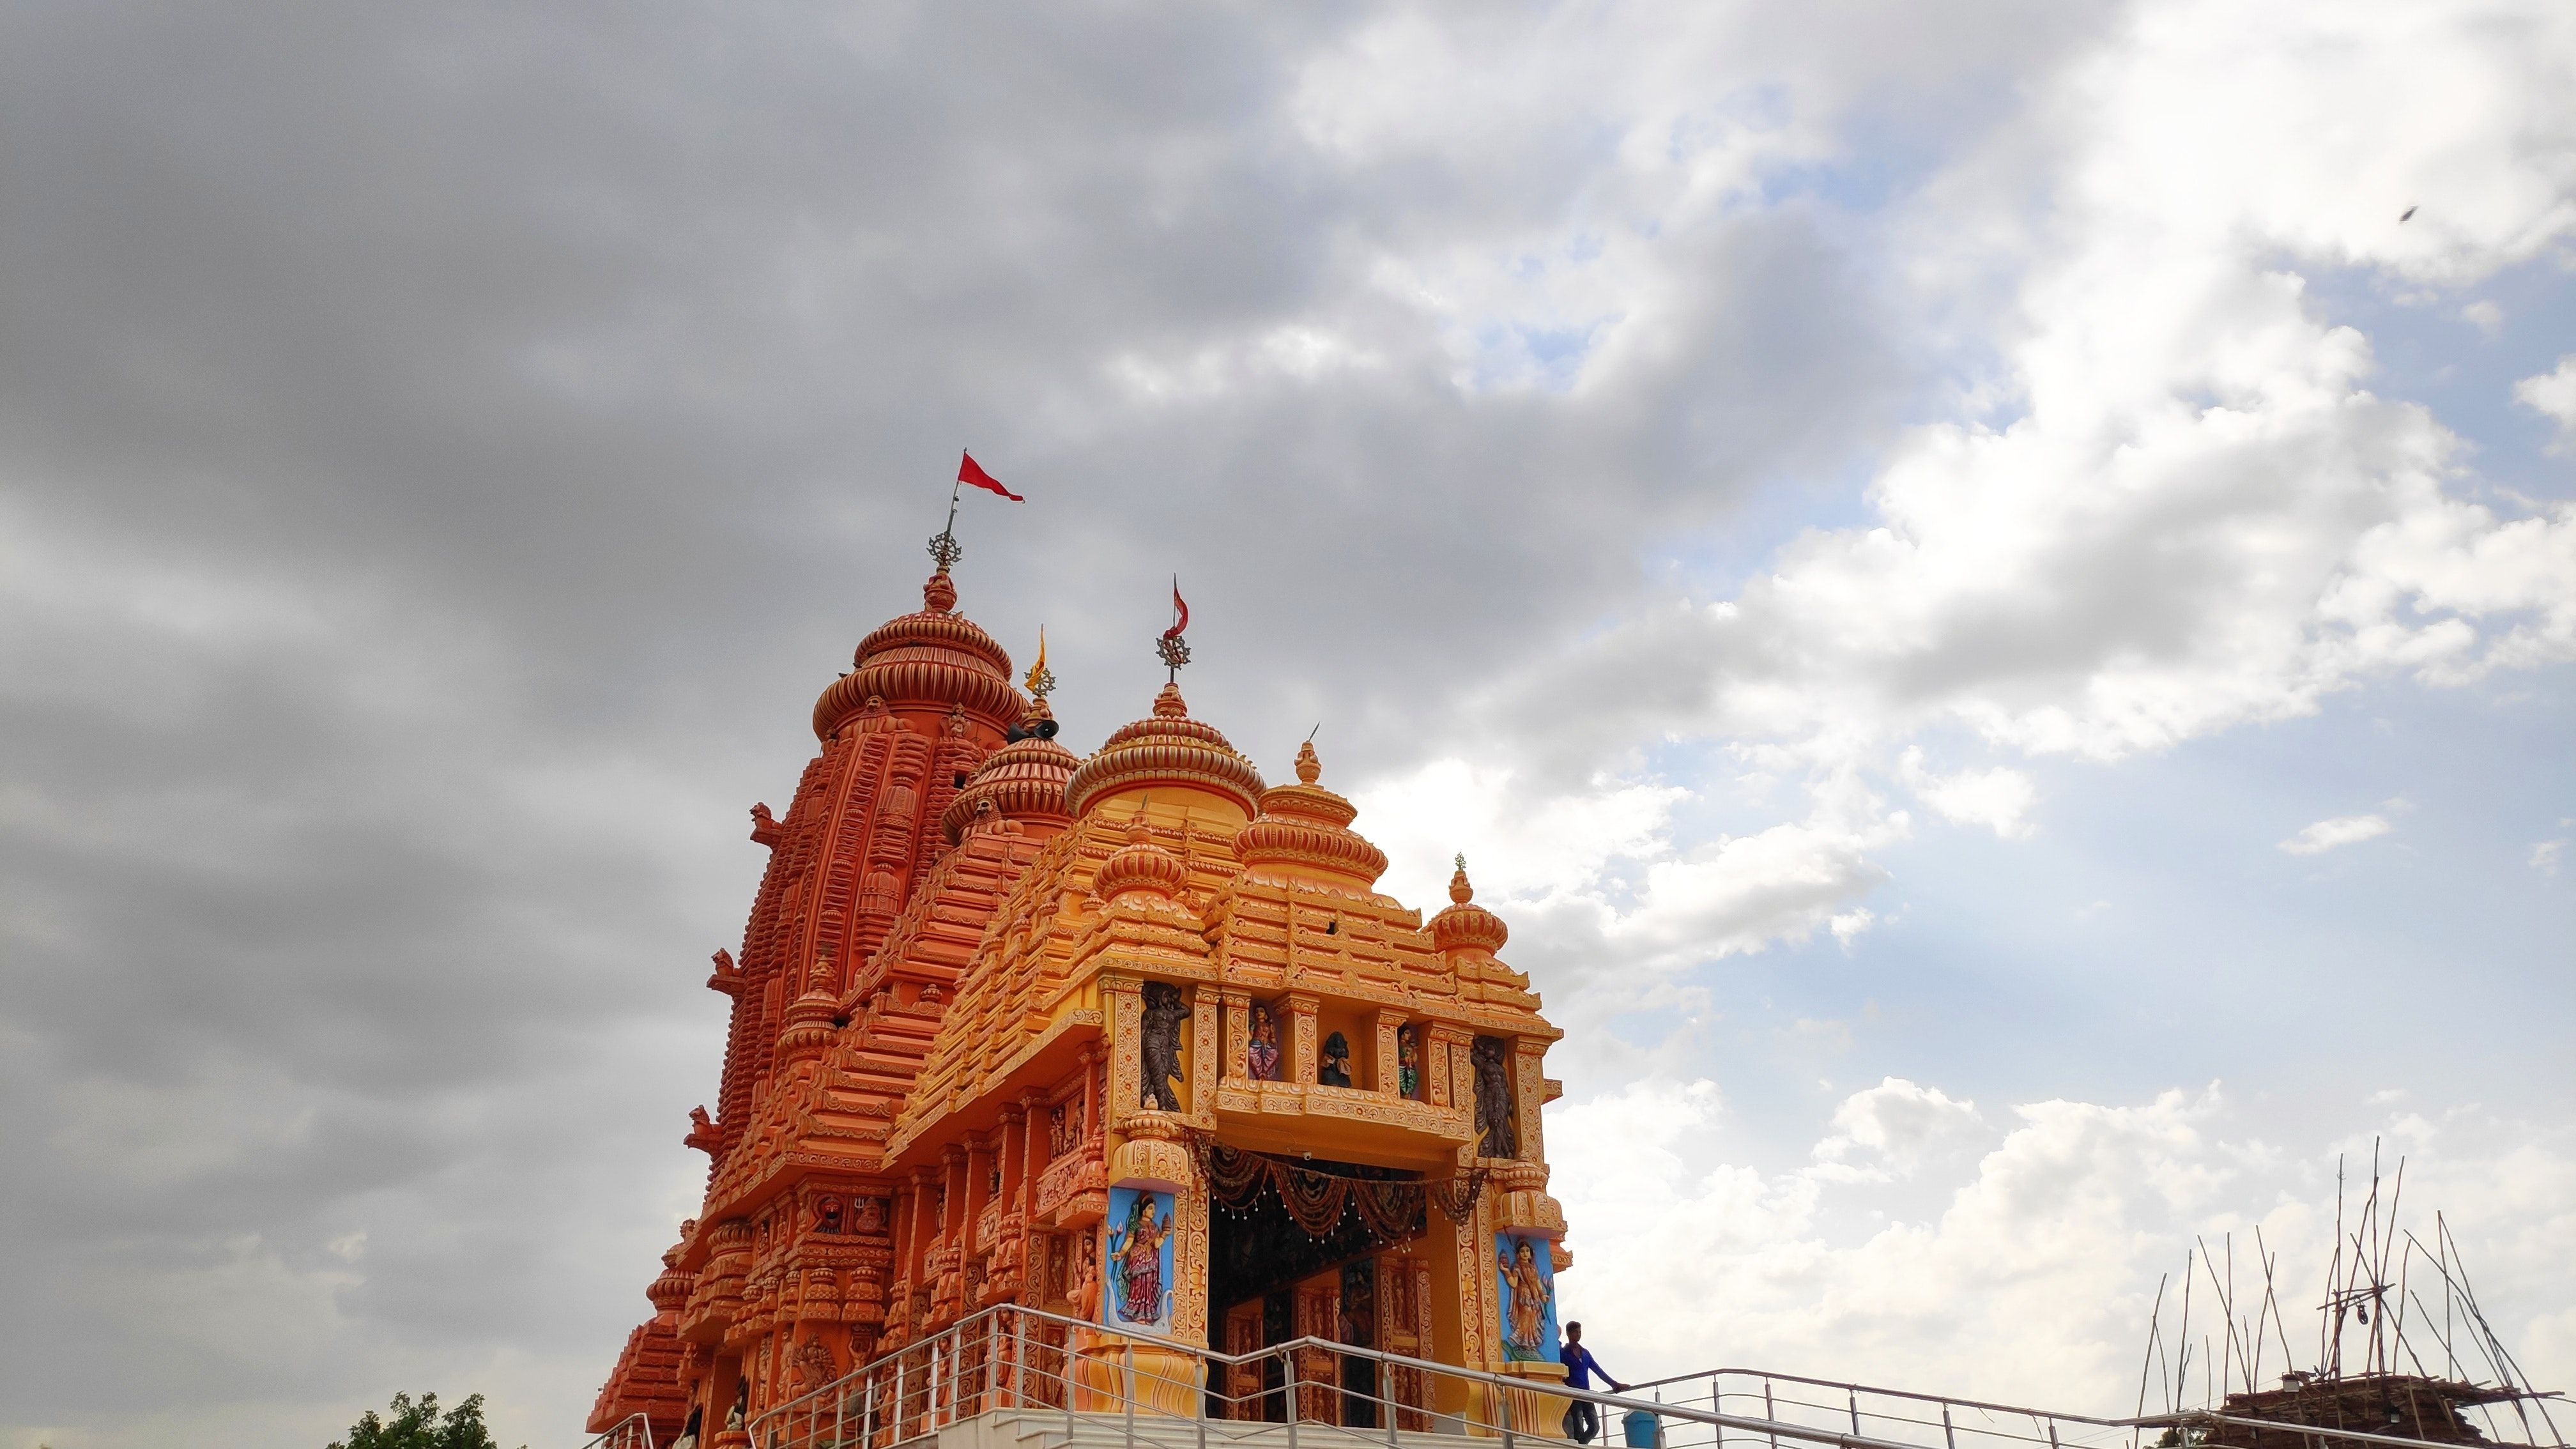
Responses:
[1316,1198]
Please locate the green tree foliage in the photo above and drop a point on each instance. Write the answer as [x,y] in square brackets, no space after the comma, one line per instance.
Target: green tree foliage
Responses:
[421,1426]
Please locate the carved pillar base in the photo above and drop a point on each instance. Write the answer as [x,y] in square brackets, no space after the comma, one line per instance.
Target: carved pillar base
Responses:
[1536,1414]
[1166,1382]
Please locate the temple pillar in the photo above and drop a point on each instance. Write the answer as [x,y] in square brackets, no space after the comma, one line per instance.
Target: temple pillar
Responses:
[1450,1080]
[1382,1078]
[1122,1004]
[1529,1093]
[1299,1027]
[1237,1005]
[1202,1070]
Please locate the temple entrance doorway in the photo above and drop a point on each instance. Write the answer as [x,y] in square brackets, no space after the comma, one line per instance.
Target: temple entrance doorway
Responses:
[1309,1248]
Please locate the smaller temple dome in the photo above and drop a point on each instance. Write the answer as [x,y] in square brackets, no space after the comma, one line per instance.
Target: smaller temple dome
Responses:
[934,656]
[1167,748]
[809,1018]
[1466,925]
[1023,780]
[670,1291]
[1306,825]
[1140,865]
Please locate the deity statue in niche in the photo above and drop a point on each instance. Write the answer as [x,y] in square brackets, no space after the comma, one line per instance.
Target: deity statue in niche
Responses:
[828,1215]
[1161,1047]
[1529,1301]
[1261,1056]
[1335,1070]
[1408,1062]
[1496,1135]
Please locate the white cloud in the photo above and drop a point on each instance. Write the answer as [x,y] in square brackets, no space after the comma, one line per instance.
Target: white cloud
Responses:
[2342,830]
[1518,847]
[2028,1275]
[2546,854]
[2175,507]
[1997,798]
[1894,1125]
[2553,394]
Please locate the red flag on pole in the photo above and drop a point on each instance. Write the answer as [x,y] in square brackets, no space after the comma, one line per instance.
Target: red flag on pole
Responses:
[970,471]
[1180,612]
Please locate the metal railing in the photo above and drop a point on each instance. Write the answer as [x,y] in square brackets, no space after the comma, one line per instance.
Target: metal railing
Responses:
[1033,1363]
[1933,1421]
[632,1432]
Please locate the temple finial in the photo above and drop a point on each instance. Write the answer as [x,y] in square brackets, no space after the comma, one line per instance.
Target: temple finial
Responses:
[1174,650]
[1040,681]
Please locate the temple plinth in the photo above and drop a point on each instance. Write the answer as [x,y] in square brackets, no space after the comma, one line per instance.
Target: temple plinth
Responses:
[1132,1038]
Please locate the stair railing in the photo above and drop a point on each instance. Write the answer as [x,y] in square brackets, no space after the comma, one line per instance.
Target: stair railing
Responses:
[1027,1361]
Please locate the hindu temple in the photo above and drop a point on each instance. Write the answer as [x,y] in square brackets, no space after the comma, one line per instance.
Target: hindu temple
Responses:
[1130,1037]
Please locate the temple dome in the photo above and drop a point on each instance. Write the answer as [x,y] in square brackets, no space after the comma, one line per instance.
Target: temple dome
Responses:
[1305,825]
[1465,924]
[1023,780]
[1140,864]
[934,656]
[1167,748]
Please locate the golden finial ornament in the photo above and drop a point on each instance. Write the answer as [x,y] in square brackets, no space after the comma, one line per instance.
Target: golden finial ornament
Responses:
[1041,681]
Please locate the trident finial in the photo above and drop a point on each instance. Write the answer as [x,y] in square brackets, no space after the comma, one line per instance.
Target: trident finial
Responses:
[1174,650]
[1462,860]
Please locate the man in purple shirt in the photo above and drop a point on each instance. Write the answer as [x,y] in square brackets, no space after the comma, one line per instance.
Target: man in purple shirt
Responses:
[1582,1420]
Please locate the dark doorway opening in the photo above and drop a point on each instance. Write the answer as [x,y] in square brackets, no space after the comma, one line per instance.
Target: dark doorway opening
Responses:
[1270,1281]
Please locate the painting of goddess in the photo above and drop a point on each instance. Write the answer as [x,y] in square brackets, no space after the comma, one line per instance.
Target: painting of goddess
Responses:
[1528,1282]
[1140,1259]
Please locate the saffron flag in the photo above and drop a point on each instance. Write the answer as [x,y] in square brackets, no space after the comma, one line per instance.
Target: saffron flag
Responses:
[1180,612]
[970,471]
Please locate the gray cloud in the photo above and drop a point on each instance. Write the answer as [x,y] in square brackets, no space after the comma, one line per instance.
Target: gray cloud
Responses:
[444,449]
[448,448]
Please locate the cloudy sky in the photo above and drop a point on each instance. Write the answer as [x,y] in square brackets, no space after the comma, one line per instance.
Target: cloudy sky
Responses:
[1999,625]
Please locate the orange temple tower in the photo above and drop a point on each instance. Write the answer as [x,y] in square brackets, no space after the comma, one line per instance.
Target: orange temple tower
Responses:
[1130,1038]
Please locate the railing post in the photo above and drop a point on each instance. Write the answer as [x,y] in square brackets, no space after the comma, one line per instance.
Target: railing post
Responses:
[868,1413]
[1769,1414]
[894,1435]
[1019,1362]
[1288,1386]
[1852,1396]
[1503,1396]
[1949,1436]
[1129,1346]
[1386,1399]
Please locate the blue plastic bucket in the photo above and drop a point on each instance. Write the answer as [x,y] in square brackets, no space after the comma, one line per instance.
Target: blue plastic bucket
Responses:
[1640,1428]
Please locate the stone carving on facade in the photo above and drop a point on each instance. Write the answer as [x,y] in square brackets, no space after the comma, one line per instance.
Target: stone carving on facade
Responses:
[1496,1136]
[1165,1010]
